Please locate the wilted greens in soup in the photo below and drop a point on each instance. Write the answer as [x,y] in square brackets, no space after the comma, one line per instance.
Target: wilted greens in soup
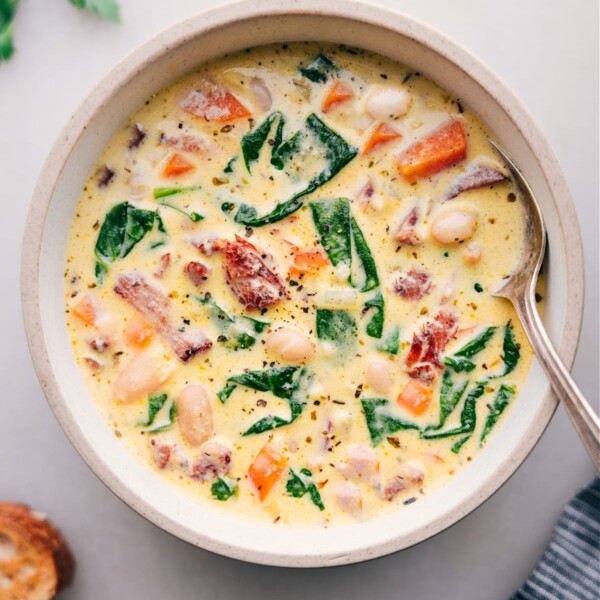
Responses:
[278,285]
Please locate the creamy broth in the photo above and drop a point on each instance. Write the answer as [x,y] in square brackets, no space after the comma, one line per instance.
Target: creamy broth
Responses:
[424,222]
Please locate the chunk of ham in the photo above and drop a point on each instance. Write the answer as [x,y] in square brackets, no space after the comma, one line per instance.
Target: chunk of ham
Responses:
[196,272]
[161,453]
[347,497]
[98,343]
[412,285]
[213,102]
[154,306]
[136,137]
[406,232]
[254,284]
[366,197]
[185,142]
[361,463]
[163,265]
[424,357]
[474,178]
[214,461]
[406,476]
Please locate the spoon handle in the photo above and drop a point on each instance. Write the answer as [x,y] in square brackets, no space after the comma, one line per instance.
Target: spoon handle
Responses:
[582,415]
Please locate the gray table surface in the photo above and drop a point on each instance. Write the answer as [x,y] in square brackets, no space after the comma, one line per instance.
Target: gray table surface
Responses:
[547,51]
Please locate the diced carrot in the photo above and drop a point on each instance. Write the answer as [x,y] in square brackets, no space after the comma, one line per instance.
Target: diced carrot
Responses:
[443,148]
[214,103]
[176,165]
[380,135]
[231,107]
[308,262]
[415,397]
[87,309]
[138,331]
[339,92]
[266,469]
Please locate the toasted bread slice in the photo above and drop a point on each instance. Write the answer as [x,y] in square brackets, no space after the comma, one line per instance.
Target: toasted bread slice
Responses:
[35,561]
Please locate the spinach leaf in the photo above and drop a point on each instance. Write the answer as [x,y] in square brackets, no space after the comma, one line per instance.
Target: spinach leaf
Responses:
[391,342]
[247,215]
[339,233]
[337,326]
[468,417]
[216,311]
[366,258]
[318,69]
[124,226]
[8,10]
[338,154]
[460,360]
[229,166]
[450,396]
[375,325]
[459,364]
[194,217]
[380,421]
[300,484]
[223,394]
[458,445]
[107,9]
[277,380]
[501,401]
[288,383]
[510,350]
[223,488]
[155,404]
[257,325]
[164,192]
[332,220]
[253,141]
[281,153]
[236,339]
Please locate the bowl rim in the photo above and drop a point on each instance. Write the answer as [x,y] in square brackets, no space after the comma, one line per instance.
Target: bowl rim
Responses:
[222,16]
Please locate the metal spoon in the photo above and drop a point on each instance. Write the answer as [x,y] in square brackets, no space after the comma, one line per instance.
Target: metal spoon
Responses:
[520,290]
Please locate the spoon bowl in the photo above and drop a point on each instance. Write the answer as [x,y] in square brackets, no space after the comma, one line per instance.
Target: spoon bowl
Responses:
[519,288]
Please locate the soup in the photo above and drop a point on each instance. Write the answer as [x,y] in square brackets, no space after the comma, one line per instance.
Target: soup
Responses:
[279,285]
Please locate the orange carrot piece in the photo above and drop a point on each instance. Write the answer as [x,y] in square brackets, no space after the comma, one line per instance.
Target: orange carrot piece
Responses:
[308,263]
[214,103]
[443,148]
[415,397]
[87,309]
[232,108]
[266,469]
[380,135]
[177,165]
[138,331]
[339,92]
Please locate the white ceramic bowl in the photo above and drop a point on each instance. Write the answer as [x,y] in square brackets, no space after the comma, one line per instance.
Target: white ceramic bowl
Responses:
[147,70]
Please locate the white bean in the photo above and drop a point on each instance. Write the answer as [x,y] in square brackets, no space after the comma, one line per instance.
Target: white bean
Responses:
[378,375]
[142,375]
[262,93]
[290,345]
[385,103]
[194,414]
[453,226]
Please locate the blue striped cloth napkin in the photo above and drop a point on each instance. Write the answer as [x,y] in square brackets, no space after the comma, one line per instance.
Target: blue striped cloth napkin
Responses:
[570,567]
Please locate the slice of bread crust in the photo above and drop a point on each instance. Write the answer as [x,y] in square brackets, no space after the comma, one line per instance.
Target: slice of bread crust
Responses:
[35,561]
